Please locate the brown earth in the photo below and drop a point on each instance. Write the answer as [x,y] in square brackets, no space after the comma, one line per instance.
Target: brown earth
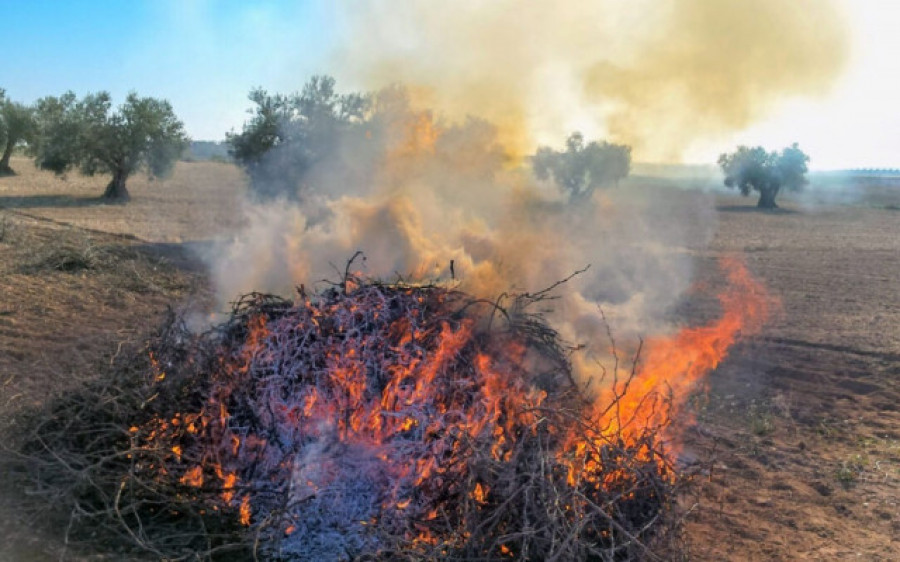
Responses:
[804,423]
[81,280]
[198,202]
[796,446]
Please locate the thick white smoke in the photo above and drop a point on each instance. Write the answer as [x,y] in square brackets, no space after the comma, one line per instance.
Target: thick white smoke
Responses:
[428,202]
[428,190]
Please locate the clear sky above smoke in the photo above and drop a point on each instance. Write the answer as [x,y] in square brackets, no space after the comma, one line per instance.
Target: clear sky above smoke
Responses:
[626,70]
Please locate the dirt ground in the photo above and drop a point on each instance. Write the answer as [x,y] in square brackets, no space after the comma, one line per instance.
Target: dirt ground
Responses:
[197,203]
[804,423]
[796,445]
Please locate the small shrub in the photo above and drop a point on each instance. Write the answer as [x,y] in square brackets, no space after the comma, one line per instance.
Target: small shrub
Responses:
[760,422]
[64,256]
[850,470]
[6,228]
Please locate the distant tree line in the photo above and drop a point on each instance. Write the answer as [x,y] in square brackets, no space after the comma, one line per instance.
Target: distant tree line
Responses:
[296,143]
[211,151]
[64,132]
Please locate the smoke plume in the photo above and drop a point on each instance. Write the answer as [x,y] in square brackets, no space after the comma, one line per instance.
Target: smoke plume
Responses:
[429,193]
[426,192]
[654,75]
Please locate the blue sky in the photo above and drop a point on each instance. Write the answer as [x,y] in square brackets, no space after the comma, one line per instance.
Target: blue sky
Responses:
[206,55]
[203,56]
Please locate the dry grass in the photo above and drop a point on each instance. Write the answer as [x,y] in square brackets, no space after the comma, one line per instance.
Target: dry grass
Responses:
[70,301]
[66,290]
[201,200]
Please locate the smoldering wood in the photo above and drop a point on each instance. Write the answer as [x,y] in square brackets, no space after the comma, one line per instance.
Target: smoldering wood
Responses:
[165,452]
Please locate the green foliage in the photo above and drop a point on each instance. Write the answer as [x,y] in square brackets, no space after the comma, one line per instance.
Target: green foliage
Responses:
[143,133]
[289,135]
[56,145]
[581,168]
[320,140]
[760,421]
[3,132]
[755,169]
[16,127]
[850,470]
[791,165]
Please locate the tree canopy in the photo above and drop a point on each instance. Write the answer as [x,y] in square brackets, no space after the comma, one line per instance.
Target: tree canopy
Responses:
[142,134]
[16,126]
[755,169]
[581,168]
[290,134]
[319,139]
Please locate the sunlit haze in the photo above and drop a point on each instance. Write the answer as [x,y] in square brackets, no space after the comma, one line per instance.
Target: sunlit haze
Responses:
[539,71]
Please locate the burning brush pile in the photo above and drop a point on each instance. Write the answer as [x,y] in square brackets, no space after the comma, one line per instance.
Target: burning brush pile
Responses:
[367,422]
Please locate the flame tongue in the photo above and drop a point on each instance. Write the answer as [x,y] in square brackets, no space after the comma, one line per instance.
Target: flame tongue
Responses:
[673,365]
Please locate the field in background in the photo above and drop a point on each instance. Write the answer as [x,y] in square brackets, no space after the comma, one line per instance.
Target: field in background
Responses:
[796,446]
[200,201]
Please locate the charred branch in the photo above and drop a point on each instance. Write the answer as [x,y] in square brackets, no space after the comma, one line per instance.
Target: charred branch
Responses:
[368,422]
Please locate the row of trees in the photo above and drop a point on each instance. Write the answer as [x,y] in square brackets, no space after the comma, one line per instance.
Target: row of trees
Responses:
[64,132]
[288,138]
[291,142]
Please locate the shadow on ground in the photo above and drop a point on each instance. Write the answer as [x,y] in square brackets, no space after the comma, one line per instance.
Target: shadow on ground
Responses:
[48,201]
[754,209]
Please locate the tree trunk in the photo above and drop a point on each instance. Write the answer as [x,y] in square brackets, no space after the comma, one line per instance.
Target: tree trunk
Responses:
[116,190]
[5,170]
[767,199]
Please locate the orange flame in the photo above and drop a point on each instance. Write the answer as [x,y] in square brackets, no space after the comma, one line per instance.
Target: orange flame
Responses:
[492,403]
[245,511]
[193,477]
[672,367]
[674,364]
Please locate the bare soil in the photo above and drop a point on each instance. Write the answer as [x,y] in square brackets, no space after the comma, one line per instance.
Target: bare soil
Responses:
[796,444]
[198,202]
[803,425]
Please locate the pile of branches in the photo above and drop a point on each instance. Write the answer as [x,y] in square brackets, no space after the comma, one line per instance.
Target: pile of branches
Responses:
[367,422]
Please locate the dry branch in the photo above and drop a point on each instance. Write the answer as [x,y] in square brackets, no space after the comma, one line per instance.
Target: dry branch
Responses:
[370,422]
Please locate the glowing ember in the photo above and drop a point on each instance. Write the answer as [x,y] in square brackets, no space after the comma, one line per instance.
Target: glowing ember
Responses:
[390,417]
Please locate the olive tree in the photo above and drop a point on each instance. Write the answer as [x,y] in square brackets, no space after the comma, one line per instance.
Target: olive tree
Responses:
[289,135]
[581,168]
[755,169]
[16,126]
[320,141]
[141,134]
